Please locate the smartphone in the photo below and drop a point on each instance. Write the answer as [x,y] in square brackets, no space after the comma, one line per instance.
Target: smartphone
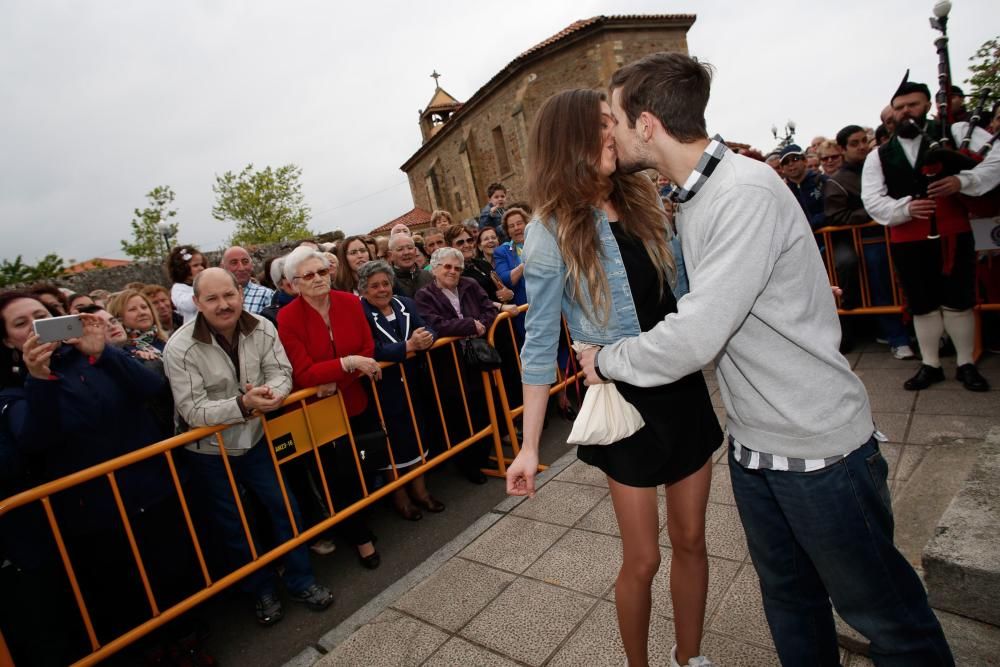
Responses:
[58,328]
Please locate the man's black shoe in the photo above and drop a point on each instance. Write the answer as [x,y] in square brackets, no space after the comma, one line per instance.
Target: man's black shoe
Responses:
[970,378]
[269,609]
[925,377]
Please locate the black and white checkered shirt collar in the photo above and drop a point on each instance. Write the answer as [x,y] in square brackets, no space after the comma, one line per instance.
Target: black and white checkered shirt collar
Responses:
[703,170]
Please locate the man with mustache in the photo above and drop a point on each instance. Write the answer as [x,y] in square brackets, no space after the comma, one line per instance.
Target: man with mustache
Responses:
[227,366]
[932,246]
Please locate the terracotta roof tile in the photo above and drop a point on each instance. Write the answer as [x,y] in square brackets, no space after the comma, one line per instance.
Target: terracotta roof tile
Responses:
[412,218]
[96,263]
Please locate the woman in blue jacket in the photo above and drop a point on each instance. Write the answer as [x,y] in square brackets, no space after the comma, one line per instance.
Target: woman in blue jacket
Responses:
[599,254]
[398,330]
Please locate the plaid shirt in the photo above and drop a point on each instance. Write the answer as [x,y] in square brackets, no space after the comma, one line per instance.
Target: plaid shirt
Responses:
[256,298]
[706,165]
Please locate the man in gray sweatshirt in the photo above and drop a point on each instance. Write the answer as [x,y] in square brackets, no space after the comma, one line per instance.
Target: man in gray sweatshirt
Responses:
[807,474]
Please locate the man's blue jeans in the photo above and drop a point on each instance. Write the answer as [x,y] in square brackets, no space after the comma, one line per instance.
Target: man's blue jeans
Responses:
[255,471]
[880,289]
[827,535]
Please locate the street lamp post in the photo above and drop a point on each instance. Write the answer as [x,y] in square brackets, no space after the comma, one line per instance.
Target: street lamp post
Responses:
[163,228]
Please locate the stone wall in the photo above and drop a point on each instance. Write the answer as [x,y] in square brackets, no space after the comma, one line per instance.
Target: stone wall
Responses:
[463,159]
[115,278]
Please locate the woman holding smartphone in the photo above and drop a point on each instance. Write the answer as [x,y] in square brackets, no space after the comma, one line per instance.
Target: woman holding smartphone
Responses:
[600,249]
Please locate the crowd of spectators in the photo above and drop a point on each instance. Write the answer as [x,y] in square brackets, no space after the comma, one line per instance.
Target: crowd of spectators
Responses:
[222,346]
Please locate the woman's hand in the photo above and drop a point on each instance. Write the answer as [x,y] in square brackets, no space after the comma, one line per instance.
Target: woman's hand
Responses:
[516,273]
[509,308]
[368,366]
[328,389]
[91,343]
[421,339]
[480,328]
[521,473]
[36,357]
[147,355]
[504,295]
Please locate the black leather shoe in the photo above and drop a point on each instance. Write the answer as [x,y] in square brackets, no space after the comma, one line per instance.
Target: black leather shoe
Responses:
[970,378]
[370,562]
[431,504]
[925,377]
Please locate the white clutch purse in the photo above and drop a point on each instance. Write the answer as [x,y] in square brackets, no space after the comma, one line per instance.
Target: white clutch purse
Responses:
[605,416]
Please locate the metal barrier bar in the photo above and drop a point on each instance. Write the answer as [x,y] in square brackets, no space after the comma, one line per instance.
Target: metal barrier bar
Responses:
[132,545]
[236,495]
[187,518]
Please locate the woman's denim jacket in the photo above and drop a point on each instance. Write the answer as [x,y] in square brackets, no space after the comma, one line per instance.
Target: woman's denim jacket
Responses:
[549,295]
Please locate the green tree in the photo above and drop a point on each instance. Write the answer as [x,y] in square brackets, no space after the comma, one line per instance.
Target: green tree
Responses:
[267,206]
[986,72]
[17,272]
[147,241]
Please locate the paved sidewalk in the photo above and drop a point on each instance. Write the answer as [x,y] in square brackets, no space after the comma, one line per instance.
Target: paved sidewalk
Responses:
[532,582]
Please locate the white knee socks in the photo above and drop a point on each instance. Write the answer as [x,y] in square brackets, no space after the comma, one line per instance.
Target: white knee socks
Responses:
[929,328]
[961,326]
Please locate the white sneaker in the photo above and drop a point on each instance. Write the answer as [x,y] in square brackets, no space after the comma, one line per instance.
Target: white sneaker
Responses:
[697,661]
[323,547]
[882,341]
[903,352]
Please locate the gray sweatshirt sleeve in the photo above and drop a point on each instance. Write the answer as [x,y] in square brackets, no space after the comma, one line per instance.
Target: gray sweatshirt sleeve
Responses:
[736,243]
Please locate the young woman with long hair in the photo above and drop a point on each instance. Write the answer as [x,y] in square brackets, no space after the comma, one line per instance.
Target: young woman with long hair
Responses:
[599,253]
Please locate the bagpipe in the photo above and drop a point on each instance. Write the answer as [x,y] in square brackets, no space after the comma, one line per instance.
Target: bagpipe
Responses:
[943,158]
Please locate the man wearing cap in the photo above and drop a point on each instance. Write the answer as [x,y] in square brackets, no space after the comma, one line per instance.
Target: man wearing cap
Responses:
[932,246]
[806,185]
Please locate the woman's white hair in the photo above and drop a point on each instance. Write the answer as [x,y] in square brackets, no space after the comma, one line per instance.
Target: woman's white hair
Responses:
[441,254]
[299,255]
[277,270]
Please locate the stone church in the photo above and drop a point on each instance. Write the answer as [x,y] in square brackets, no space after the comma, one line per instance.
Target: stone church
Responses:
[468,145]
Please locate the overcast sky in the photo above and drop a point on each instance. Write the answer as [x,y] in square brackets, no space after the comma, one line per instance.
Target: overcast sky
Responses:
[104,100]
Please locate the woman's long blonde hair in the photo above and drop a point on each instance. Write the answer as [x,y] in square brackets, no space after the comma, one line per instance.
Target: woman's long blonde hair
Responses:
[564,184]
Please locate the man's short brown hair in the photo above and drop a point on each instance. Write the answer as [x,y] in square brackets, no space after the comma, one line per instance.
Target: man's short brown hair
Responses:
[671,86]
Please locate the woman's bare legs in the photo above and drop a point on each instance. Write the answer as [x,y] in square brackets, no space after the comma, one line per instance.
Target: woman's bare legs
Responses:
[687,501]
[635,508]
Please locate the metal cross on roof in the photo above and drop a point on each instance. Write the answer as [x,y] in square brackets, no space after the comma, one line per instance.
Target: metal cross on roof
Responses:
[436,76]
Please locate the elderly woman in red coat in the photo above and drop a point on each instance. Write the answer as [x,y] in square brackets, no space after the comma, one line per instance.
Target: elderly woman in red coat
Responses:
[329,344]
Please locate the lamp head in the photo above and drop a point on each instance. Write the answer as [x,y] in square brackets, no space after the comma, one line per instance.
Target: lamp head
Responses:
[942,8]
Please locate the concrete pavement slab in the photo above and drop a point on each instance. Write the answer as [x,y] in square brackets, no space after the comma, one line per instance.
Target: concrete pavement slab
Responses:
[602,518]
[730,652]
[529,620]
[562,503]
[722,485]
[583,473]
[980,404]
[583,561]
[945,429]
[513,543]
[390,640]
[741,612]
[454,594]
[457,651]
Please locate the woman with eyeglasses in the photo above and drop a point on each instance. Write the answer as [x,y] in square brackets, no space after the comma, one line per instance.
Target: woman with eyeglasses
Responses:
[455,306]
[352,254]
[478,268]
[329,344]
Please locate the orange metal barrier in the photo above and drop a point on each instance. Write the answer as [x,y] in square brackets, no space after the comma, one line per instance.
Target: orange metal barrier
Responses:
[825,239]
[564,378]
[305,424]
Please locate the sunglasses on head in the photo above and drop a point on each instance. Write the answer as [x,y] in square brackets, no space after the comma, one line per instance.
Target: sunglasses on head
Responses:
[461,242]
[322,273]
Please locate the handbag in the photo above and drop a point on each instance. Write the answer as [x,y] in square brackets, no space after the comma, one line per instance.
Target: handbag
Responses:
[480,355]
[605,416]
[373,451]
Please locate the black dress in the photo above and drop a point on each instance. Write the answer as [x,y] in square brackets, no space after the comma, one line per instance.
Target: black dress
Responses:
[681,430]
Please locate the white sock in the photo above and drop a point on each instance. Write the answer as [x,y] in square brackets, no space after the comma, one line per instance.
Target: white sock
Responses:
[929,328]
[961,327]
